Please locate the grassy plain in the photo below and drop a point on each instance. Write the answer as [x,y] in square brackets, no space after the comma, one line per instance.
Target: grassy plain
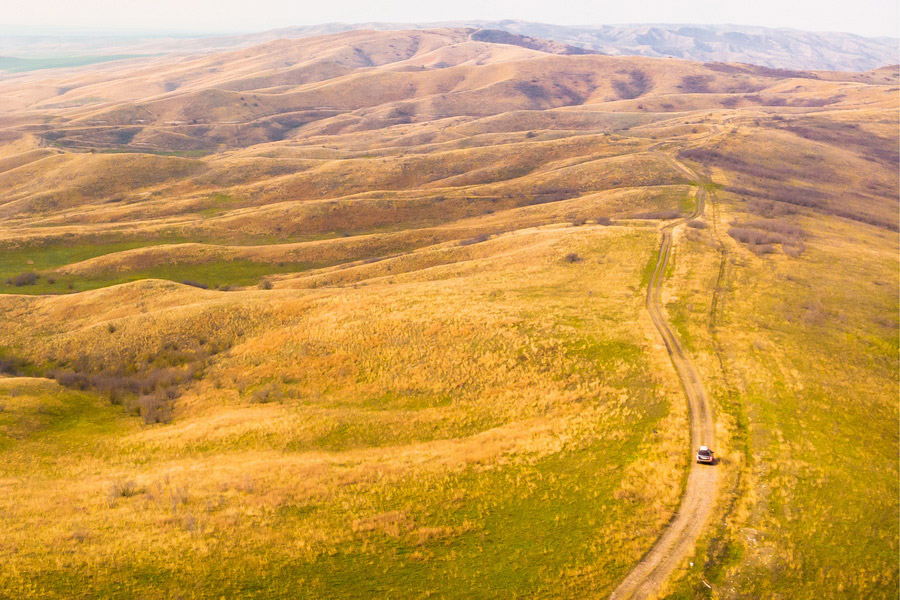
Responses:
[12,64]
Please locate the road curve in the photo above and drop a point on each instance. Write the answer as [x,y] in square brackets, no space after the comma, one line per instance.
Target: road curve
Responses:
[648,576]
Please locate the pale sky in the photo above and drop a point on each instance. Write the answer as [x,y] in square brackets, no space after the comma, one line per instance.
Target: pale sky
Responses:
[864,17]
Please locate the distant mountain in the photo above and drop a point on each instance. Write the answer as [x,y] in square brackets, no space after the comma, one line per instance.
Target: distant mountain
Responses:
[777,48]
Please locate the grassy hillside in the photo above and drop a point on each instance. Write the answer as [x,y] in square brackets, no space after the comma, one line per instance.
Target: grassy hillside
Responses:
[364,316]
[463,423]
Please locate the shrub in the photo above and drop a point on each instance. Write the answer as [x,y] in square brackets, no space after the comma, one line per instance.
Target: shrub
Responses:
[154,408]
[12,365]
[265,284]
[28,278]
[115,397]
[752,237]
[603,221]
[766,101]
[71,379]
[270,392]
[760,249]
[770,209]
[760,236]
[764,172]
[797,196]
[786,230]
[696,224]
[573,257]
[794,250]
[662,214]
[123,488]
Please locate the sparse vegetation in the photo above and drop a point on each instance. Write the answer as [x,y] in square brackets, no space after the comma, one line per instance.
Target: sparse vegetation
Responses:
[665,214]
[637,84]
[696,84]
[154,407]
[29,278]
[761,236]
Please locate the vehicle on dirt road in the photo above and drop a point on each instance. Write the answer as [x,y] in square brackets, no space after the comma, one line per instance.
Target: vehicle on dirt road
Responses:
[706,456]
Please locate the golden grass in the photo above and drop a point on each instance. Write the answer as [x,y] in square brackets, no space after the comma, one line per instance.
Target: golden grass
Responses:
[458,377]
[803,368]
[433,399]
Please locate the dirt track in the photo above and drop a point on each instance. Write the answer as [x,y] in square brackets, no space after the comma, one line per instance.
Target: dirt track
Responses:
[648,576]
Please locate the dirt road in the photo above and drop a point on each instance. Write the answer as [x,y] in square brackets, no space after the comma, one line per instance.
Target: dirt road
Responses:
[649,576]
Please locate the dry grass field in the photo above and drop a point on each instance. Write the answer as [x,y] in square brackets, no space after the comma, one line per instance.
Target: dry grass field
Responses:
[364,316]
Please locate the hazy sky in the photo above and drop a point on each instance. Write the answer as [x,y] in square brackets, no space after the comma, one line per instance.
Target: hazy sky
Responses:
[865,17]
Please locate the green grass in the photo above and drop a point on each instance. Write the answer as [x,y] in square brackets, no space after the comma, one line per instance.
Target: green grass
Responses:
[678,313]
[46,258]
[687,204]
[216,273]
[50,256]
[212,274]
[649,268]
[520,529]
[219,204]
[14,261]
[535,522]
[44,421]
[12,64]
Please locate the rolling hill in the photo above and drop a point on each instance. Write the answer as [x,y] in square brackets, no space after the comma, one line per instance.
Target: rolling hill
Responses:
[391,314]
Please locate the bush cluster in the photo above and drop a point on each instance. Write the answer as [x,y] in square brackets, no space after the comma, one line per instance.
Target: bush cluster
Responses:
[761,236]
[638,84]
[662,214]
[27,278]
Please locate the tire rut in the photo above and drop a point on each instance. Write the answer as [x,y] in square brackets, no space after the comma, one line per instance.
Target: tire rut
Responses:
[650,574]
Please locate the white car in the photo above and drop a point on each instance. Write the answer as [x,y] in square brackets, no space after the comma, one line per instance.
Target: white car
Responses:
[706,456]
